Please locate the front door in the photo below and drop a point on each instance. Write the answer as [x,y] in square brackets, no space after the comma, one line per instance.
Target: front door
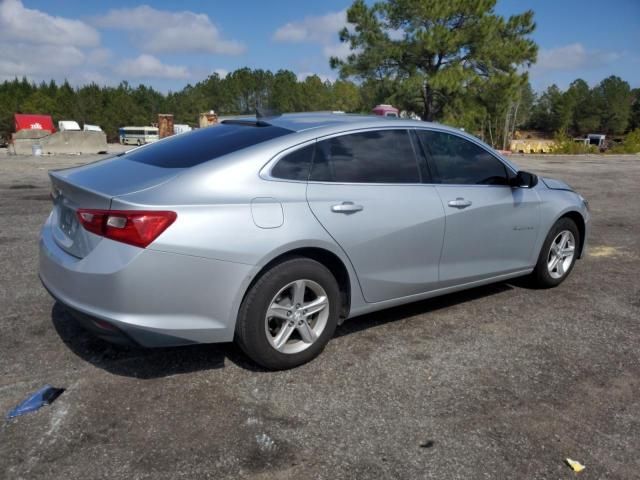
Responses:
[491,228]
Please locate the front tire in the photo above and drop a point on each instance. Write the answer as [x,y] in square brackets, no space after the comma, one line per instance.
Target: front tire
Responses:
[289,315]
[558,254]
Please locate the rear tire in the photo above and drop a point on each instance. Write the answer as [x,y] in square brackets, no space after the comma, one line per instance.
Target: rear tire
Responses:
[289,315]
[558,254]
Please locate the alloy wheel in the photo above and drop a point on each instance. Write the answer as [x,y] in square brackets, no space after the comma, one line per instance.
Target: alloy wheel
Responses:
[297,316]
[561,254]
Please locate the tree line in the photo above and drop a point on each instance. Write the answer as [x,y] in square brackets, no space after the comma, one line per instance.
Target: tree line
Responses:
[240,92]
[610,107]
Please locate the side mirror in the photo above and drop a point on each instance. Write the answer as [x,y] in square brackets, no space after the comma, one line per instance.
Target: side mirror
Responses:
[524,180]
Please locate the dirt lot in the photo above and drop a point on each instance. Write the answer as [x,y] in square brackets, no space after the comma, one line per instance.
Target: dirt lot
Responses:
[496,382]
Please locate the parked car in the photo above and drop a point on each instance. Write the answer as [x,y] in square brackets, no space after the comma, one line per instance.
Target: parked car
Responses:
[272,232]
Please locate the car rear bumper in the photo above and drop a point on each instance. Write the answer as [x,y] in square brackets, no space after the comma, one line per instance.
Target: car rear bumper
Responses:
[148,297]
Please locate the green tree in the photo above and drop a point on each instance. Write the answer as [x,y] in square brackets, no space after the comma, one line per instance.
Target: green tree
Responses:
[315,94]
[616,100]
[432,51]
[634,121]
[587,108]
[554,111]
[345,96]
[285,94]
[38,102]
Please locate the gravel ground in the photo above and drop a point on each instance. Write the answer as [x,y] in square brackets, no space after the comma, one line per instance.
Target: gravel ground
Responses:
[496,382]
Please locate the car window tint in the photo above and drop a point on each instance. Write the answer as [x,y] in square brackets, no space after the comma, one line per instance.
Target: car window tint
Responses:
[381,156]
[193,148]
[295,165]
[459,161]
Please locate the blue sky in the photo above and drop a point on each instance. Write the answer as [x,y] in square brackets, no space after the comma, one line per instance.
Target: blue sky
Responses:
[168,44]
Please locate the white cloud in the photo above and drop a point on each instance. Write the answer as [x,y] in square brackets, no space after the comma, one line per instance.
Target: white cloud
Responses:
[159,31]
[148,66]
[38,62]
[302,76]
[86,76]
[41,46]
[320,29]
[395,33]
[23,25]
[571,57]
[313,29]
[221,72]
[99,56]
[339,50]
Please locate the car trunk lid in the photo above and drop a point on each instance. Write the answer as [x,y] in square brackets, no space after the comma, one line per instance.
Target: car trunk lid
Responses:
[94,186]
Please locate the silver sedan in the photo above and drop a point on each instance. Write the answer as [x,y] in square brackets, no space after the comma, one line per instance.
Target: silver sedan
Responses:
[271,232]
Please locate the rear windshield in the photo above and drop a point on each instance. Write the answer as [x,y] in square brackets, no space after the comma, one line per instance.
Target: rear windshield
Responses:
[193,148]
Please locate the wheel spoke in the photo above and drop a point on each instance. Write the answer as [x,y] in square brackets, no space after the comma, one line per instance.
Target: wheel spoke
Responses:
[307,333]
[297,297]
[315,306]
[278,311]
[283,335]
[560,269]
[568,251]
[552,265]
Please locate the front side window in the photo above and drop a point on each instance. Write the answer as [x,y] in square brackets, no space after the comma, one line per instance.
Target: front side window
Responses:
[461,162]
[381,156]
[294,165]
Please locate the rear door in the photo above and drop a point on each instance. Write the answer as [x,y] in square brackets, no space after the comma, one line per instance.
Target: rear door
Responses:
[491,228]
[366,190]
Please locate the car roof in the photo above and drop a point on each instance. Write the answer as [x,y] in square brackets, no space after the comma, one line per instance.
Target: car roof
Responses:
[300,122]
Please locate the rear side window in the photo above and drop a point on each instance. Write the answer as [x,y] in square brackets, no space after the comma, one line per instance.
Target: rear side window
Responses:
[193,148]
[461,162]
[382,156]
[295,165]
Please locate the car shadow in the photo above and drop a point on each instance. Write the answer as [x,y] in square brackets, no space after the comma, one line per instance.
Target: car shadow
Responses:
[149,363]
[143,363]
[372,320]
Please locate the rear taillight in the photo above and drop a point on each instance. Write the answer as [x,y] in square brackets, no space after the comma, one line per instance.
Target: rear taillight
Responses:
[134,227]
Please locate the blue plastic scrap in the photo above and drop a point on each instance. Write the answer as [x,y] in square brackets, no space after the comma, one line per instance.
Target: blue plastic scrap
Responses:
[45,396]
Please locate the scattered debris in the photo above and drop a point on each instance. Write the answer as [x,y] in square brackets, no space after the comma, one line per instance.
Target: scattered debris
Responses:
[265,443]
[575,465]
[45,396]
[427,444]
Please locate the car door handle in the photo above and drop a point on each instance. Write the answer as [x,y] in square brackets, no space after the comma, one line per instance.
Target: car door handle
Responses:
[346,207]
[460,203]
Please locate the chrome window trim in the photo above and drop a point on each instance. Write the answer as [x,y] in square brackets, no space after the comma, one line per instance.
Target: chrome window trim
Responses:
[265,171]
